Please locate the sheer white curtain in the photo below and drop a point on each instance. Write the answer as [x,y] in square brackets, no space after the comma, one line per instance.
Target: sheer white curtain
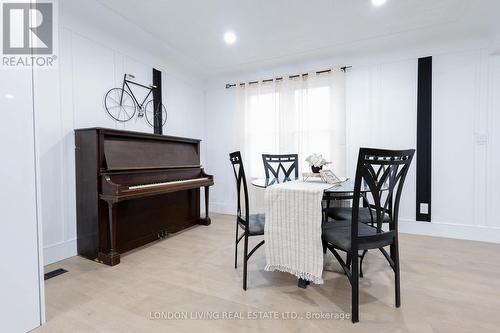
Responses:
[304,115]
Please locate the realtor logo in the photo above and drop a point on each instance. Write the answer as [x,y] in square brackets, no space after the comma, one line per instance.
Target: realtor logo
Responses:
[28,34]
[27,27]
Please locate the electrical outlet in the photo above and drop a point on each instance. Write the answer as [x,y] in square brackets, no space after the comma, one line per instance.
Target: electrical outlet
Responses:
[424,208]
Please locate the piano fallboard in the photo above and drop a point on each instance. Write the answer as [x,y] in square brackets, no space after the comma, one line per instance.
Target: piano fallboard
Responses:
[119,192]
[146,176]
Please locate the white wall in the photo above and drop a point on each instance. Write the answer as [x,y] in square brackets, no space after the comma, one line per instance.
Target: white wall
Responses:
[20,287]
[464,84]
[96,48]
[381,111]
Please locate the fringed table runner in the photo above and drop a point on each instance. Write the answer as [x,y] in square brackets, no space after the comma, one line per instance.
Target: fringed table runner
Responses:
[293,229]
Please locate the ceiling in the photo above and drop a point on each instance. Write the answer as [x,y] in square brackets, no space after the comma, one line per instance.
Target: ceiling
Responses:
[277,32]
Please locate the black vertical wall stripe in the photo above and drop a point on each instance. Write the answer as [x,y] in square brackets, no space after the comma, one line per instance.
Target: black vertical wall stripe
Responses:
[424,136]
[157,102]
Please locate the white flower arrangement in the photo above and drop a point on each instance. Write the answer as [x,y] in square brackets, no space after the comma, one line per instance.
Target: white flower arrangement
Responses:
[316,161]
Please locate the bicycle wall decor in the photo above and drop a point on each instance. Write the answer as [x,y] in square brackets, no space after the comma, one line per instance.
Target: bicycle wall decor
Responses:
[121,103]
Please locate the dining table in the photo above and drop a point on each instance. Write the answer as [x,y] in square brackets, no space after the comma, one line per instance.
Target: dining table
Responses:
[339,191]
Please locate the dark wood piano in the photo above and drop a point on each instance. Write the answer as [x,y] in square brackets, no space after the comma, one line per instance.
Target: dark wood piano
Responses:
[133,188]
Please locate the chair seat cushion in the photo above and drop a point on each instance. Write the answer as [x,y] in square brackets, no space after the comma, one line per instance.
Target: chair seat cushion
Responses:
[345,213]
[256,224]
[338,234]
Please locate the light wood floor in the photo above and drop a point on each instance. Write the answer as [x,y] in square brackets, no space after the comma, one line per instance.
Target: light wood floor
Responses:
[447,286]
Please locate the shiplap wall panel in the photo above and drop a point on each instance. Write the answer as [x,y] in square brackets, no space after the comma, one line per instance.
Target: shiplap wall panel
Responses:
[455,79]
[381,112]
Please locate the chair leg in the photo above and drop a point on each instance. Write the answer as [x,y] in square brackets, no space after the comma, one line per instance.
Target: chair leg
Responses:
[245,260]
[361,263]
[397,282]
[324,247]
[236,248]
[303,283]
[355,288]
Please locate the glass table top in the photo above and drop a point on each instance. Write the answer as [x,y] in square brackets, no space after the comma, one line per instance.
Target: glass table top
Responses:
[344,187]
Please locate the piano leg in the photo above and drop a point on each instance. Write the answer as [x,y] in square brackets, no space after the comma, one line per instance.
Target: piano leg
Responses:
[206,220]
[111,258]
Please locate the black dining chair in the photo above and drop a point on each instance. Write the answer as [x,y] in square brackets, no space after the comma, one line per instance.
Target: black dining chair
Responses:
[252,225]
[276,165]
[376,168]
[366,215]
[366,212]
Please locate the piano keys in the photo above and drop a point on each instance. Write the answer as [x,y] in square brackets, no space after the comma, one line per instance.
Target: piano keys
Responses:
[175,182]
[133,188]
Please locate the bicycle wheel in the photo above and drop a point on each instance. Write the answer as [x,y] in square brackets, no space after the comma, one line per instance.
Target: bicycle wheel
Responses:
[121,112]
[149,111]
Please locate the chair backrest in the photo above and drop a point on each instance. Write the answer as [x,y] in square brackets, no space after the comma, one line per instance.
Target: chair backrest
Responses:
[383,172]
[287,164]
[241,183]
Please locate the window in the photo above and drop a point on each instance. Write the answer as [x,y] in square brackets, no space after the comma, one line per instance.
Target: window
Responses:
[304,115]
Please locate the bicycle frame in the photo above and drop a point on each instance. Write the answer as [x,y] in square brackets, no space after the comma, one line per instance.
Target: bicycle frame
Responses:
[126,84]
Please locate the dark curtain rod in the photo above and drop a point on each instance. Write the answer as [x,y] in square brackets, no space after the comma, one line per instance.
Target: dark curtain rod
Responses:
[232,85]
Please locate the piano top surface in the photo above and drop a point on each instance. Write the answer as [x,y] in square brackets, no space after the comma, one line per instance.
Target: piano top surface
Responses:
[133,134]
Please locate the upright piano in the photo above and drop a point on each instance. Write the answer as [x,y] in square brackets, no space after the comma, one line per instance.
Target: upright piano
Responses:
[133,188]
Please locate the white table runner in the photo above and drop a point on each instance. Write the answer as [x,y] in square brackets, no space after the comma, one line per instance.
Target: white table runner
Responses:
[293,229]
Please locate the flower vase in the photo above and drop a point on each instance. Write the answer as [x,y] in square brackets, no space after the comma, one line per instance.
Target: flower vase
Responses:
[316,169]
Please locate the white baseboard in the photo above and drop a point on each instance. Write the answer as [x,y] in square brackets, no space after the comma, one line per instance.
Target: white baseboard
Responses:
[436,229]
[448,230]
[59,251]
